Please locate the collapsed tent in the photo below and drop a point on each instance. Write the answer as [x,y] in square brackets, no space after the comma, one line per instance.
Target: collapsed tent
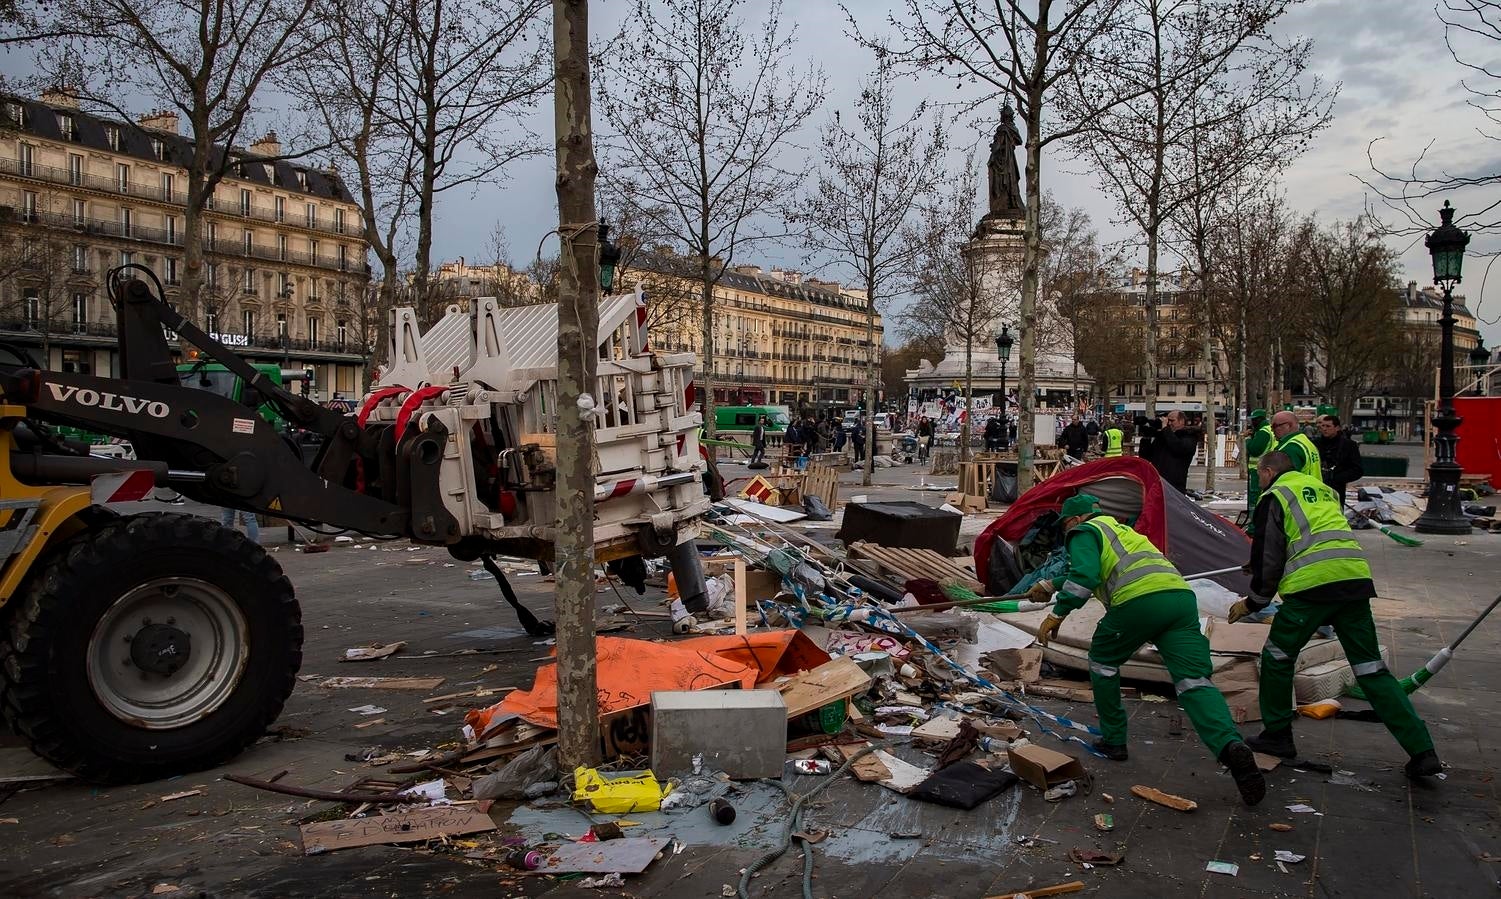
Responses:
[1131,491]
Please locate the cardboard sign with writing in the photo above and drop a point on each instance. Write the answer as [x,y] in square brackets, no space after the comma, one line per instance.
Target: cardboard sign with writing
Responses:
[403,827]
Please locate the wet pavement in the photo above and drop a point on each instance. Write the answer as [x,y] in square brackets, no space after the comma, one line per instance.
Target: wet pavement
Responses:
[1372,832]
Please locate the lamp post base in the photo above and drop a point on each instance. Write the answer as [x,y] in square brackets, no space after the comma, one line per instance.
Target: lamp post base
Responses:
[1444,515]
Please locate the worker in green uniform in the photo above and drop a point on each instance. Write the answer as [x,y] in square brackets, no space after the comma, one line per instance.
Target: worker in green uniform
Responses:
[1146,601]
[1111,441]
[1257,445]
[1305,551]
[1292,440]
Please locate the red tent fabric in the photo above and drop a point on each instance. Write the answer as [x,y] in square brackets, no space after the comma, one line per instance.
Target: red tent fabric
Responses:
[1193,538]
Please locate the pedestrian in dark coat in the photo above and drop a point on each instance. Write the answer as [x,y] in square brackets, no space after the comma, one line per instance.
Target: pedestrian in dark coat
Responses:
[1339,456]
[1173,450]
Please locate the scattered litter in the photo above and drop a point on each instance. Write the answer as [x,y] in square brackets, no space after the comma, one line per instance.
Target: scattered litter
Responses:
[814,766]
[638,793]
[604,881]
[1351,779]
[172,797]
[1104,823]
[1291,858]
[365,724]
[1230,868]
[1302,809]
[432,792]
[1151,794]
[412,826]
[1089,857]
[374,651]
[1061,791]
[1266,762]
[1072,886]
[163,889]
[1280,827]
[383,683]
[368,710]
[625,856]
[1324,708]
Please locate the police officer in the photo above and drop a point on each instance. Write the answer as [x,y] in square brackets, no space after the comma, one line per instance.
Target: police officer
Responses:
[1258,444]
[1305,551]
[1146,601]
[1111,441]
[1292,440]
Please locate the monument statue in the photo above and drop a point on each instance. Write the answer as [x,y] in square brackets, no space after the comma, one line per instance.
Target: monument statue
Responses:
[1005,179]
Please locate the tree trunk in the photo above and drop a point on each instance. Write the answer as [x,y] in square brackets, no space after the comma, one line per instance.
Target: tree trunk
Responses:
[706,298]
[966,429]
[578,327]
[868,467]
[1031,259]
[1211,437]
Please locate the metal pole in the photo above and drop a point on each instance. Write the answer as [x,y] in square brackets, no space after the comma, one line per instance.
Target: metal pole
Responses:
[1444,514]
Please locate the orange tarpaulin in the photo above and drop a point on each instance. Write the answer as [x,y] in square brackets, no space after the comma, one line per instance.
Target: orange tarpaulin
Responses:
[629,671]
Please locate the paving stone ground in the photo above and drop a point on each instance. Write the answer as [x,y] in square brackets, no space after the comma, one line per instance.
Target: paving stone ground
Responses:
[1382,836]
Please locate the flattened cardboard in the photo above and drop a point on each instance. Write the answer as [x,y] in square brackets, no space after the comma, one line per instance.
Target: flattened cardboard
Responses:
[1043,767]
[402,827]
[1023,665]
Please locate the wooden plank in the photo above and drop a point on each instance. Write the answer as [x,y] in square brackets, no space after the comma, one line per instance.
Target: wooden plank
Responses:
[1151,794]
[384,683]
[403,827]
[740,596]
[836,679]
[1072,886]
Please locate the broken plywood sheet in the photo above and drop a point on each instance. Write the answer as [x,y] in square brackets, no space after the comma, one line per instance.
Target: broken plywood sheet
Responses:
[868,768]
[836,679]
[1244,638]
[904,776]
[937,730]
[629,855]
[403,827]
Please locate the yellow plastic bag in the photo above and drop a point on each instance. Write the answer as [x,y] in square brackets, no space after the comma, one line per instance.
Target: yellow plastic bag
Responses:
[640,793]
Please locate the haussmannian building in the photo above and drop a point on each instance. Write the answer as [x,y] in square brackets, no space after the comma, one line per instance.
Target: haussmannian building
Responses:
[285,258]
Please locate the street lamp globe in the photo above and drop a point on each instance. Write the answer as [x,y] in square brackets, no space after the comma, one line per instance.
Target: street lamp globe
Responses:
[1447,246]
[1003,342]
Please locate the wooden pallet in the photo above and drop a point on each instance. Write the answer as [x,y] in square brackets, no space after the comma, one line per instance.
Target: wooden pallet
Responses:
[823,482]
[907,564]
[978,477]
[945,460]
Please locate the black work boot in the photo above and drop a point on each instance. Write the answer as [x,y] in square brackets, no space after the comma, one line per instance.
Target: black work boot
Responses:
[1116,752]
[1424,764]
[1278,743]
[1241,761]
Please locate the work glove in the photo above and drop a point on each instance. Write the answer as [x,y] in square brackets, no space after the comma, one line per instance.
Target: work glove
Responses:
[1042,591]
[1048,630]
[1240,610]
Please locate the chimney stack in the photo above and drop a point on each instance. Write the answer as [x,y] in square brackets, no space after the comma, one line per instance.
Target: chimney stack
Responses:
[163,120]
[66,97]
[270,145]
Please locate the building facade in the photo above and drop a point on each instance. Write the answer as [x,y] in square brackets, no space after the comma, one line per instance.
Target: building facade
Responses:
[462,280]
[285,271]
[779,338]
[1398,404]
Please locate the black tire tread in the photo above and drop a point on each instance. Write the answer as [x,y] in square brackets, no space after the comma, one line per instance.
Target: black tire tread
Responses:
[44,608]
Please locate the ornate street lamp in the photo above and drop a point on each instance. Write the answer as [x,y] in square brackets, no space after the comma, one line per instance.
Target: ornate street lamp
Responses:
[1444,514]
[1003,343]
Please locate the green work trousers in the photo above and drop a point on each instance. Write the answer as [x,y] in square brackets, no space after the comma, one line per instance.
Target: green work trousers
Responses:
[1169,619]
[1292,627]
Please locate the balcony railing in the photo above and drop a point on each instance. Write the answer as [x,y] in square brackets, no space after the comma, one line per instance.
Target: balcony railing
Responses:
[174,238]
[157,193]
[63,326]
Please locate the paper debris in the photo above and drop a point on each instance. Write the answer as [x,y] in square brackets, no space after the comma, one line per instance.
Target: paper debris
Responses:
[1291,858]
[384,683]
[1302,809]
[368,710]
[1230,868]
[432,792]
[1280,827]
[374,651]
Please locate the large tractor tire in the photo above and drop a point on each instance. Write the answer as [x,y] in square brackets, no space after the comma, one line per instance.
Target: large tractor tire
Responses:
[149,646]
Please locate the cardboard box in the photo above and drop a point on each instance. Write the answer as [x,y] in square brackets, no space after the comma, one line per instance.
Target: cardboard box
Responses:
[967,503]
[1023,665]
[1043,767]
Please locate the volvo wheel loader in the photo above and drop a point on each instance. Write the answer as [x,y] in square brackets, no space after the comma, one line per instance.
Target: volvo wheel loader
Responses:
[138,646]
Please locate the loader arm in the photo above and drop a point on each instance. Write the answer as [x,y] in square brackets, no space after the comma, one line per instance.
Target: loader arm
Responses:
[218,450]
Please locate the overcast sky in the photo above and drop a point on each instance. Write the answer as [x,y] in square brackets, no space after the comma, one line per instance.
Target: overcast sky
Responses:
[1398,84]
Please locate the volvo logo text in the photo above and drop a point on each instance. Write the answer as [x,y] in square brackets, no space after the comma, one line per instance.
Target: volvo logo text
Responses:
[112,402]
